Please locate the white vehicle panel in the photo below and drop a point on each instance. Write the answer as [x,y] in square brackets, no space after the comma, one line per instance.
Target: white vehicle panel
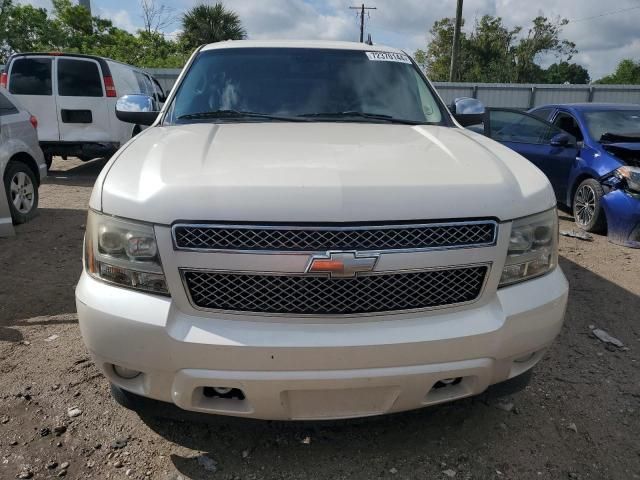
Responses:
[337,172]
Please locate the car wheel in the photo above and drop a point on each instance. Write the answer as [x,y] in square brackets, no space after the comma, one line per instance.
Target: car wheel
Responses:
[22,191]
[587,206]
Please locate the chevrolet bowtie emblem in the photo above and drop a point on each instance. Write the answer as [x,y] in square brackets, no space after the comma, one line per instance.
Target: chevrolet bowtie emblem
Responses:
[342,264]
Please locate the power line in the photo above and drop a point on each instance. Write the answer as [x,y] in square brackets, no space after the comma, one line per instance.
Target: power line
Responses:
[604,14]
[362,8]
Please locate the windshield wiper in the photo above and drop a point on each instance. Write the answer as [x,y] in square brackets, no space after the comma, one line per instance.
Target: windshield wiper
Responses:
[372,116]
[237,114]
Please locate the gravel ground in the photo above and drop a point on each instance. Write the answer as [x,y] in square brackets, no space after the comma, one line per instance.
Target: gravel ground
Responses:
[577,419]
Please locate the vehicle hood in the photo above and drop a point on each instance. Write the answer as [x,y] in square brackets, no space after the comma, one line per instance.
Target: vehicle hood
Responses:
[319,172]
[628,152]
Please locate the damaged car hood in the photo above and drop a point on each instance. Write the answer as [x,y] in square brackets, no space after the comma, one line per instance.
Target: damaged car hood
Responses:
[628,152]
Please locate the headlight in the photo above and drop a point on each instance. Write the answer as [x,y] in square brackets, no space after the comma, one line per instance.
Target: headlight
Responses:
[533,247]
[124,253]
[631,175]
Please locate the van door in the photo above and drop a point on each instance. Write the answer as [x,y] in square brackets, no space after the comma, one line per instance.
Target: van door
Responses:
[30,80]
[83,113]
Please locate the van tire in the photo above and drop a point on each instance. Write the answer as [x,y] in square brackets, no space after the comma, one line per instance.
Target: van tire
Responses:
[48,160]
[21,176]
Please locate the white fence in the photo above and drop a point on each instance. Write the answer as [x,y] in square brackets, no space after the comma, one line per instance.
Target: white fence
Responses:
[506,95]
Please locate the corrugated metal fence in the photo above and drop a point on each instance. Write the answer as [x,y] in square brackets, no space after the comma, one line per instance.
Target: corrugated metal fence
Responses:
[512,95]
[506,95]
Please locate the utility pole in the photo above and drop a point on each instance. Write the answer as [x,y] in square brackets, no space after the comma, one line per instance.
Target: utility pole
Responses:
[453,71]
[86,4]
[362,9]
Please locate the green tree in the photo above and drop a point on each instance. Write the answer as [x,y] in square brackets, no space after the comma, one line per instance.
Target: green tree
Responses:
[492,52]
[25,28]
[565,72]
[543,38]
[437,57]
[207,24]
[420,56]
[71,28]
[626,73]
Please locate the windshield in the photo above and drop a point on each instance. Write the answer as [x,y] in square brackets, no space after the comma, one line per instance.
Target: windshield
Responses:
[613,121]
[251,84]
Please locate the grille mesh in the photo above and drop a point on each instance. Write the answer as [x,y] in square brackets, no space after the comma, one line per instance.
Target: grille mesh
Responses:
[217,237]
[310,295]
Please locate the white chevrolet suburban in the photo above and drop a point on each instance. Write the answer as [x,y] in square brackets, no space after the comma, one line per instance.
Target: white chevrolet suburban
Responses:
[306,232]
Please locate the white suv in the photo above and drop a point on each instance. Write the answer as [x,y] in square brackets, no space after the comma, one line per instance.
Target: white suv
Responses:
[305,232]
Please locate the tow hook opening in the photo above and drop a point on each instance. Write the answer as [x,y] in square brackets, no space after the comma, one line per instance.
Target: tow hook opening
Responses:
[221,399]
[447,382]
[223,392]
[450,388]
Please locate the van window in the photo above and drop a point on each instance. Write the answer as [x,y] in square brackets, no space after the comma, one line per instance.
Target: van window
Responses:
[78,78]
[144,84]
[161,96]
[6,107]
[30,76]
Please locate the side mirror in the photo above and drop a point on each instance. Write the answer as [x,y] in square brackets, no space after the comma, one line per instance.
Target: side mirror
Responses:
[561,140]
[468,111]
[138,109]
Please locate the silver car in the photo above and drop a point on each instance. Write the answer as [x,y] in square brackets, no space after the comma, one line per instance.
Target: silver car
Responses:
[22,163]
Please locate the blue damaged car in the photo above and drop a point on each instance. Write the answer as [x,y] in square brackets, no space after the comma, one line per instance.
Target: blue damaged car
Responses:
[591,154]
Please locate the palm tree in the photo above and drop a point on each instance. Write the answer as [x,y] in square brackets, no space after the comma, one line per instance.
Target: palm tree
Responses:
[207,24]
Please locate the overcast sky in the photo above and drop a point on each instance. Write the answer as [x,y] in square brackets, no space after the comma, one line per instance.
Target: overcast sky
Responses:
[605,32]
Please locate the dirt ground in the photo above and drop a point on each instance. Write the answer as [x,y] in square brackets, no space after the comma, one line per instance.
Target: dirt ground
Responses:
[579,418]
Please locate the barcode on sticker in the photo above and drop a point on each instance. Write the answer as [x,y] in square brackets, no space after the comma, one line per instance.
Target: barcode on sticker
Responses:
[388,57]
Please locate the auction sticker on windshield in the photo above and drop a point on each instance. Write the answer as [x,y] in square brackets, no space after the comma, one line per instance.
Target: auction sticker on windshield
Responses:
[388,57]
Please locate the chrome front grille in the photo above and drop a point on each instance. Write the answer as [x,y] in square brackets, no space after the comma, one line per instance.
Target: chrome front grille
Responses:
[320,295]
[320,239]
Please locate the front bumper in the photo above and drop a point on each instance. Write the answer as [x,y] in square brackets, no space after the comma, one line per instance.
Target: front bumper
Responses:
[622,210]
[300,370]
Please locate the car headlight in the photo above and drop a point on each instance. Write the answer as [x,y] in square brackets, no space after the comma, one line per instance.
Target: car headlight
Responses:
[533,247]
[123,253]
[631,176]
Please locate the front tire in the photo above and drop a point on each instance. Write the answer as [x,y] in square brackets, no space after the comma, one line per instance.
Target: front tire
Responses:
[587,206]
[21,186]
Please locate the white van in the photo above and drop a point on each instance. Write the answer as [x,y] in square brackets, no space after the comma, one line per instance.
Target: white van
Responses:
[74,96]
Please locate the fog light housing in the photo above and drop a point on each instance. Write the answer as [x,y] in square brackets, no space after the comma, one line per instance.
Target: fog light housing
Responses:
[125,373]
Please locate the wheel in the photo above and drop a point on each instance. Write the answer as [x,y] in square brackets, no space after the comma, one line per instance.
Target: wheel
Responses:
[22,191]
[126,399]
[587,206]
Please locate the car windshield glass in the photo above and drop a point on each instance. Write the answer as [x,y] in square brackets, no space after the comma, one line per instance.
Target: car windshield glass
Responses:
[312,84]
[621,122]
